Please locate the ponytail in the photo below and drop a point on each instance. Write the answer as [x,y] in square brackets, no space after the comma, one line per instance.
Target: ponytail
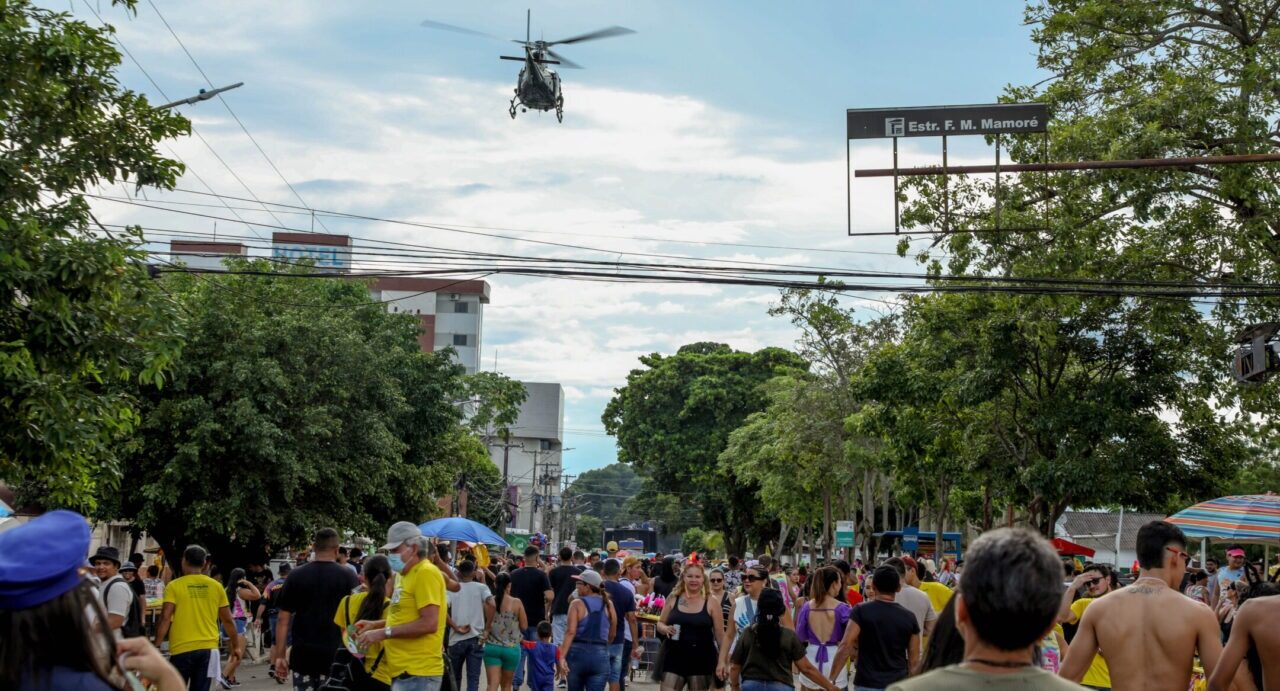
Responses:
[769,611]
[377,571]
[500,586]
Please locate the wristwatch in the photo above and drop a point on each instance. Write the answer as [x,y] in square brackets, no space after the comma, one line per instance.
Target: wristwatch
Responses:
[386,632]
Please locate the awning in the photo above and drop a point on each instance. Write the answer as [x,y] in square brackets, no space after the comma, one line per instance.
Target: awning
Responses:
[1068,548]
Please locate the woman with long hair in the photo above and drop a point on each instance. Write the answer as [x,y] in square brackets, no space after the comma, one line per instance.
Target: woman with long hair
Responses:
[53,632]
[946,645]
[239,592]
[693,629]
[584,654]
[502,639]
[720,596]
[369,605]
[766,651]
[666,579]
[820,625]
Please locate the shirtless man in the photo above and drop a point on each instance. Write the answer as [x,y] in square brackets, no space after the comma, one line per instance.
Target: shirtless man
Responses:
[1255,624]
[1149,632]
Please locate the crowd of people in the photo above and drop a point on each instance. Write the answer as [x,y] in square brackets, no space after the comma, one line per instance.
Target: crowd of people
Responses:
[420,616]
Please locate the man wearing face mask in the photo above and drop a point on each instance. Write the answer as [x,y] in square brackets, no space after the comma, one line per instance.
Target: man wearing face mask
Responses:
[412,635]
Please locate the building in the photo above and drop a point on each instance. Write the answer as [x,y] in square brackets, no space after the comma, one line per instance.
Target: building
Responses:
[450,311]
[204,255]
[1098,530]
[531,459]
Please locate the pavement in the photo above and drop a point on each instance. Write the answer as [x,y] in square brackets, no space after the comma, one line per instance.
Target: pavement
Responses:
[253,677]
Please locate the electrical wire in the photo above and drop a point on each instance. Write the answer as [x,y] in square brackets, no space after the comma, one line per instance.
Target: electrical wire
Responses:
[227,105]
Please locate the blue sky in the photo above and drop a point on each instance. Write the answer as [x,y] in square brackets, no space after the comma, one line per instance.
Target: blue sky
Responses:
[716,121]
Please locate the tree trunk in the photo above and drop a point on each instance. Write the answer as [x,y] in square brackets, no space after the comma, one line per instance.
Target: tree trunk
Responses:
[986,508]
[828,548]
[781,545]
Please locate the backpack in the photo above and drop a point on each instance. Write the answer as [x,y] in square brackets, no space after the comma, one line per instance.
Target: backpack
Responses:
[132,627]
[346,672]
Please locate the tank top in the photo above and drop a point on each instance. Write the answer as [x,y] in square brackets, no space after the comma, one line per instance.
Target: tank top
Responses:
[694,653]
[595,628]
[505,630]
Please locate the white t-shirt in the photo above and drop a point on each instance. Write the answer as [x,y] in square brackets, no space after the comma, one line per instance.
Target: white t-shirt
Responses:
[116,598]
[467,607]
[918,604]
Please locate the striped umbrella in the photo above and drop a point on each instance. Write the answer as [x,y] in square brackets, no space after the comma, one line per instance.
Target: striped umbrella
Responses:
[1252,518]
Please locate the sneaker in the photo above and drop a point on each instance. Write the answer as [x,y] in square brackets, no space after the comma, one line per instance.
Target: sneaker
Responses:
[224,683]
[234,682]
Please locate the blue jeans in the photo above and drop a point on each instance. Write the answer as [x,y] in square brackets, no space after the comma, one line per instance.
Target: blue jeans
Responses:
[627,646]
[194,668]
[416,683]
[471,653]
[588,666]
[559,624]
[616,662]
[762,685]
[530,634]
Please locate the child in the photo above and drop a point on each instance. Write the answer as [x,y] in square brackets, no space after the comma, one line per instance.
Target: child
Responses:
[544,658]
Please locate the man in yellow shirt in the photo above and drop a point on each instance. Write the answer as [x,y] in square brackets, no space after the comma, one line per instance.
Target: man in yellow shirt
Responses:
[412,635]
[193,605]
[1098,580]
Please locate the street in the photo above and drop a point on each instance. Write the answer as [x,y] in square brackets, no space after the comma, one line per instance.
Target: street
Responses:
[253,677]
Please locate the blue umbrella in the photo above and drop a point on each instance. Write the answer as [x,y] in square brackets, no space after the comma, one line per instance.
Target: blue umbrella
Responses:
[5,510]
[458,528]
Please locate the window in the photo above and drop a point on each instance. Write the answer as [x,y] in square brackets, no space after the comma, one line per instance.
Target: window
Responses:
[460,339]
[461,307]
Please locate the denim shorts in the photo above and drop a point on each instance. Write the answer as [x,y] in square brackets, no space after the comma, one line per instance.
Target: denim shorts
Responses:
[407,683]
[616,663]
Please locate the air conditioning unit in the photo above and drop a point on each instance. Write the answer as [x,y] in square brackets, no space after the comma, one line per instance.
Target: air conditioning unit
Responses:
[455,297]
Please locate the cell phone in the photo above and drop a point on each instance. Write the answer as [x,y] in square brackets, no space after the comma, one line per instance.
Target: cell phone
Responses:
[130,678]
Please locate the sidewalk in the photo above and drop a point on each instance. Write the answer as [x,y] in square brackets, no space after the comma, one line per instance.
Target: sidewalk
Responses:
[254,678]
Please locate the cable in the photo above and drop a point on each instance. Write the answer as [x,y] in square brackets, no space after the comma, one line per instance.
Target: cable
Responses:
[826,271]
[227,105]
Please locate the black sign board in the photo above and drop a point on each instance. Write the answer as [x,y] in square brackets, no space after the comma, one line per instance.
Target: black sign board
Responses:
[946,121]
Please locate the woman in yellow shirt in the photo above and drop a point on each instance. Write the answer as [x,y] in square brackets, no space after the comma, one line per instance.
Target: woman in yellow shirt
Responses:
[378,578]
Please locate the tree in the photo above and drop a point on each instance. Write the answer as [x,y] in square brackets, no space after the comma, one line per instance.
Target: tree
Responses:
[297,403]
[606,492]
[589,532]
[672,420]
[495,401]
[80,322]
[482,482]
[707,543]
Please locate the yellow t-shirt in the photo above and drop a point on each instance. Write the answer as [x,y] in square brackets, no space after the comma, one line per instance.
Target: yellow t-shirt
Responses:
[939,594]
[1099,674]
[370,655]
[422,656]
[196,600]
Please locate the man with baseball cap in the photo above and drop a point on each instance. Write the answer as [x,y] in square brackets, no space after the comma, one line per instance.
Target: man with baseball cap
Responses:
[1234,570]
[412,635]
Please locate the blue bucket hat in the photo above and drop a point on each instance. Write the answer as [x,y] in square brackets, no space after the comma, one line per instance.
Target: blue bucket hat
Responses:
[62,538]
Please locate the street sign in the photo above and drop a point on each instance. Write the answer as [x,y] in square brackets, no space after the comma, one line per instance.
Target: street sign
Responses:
[844,533]
[942,121]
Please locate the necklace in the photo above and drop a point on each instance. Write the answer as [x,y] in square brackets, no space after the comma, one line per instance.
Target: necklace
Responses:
[997,663]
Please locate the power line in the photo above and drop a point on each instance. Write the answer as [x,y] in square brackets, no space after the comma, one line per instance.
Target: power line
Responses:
[227,105]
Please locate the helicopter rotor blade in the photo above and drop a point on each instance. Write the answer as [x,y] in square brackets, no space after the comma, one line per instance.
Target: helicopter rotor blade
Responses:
[459,30]
[564,62]
[594,35]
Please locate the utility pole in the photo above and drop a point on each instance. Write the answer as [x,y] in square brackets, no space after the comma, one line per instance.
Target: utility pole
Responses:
[506,446]
[533,483]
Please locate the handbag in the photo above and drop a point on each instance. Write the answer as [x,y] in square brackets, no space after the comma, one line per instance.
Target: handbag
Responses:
[346,672]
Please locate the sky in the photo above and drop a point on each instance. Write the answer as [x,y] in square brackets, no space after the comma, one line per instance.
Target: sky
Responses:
[716,122]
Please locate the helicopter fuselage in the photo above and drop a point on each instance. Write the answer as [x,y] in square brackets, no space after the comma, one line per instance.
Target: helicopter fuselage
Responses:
[538,86]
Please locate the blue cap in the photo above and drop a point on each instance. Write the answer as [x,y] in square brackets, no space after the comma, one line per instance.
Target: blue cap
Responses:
[61,538]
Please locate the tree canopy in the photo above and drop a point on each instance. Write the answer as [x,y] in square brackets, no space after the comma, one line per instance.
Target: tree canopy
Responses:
[673,419]
[605,493]
[80,322]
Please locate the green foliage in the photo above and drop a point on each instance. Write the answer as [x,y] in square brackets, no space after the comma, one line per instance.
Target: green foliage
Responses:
[606,491]
[80,323]
[476,473]
[297,403]
[707,543]
[495,403]
[673,419]
[589,532]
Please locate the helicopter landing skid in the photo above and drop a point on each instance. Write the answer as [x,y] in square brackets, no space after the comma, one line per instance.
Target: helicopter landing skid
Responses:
[512,109]
[560,109]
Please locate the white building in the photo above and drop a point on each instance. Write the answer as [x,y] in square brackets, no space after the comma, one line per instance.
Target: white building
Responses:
[531,460]
[1098,530]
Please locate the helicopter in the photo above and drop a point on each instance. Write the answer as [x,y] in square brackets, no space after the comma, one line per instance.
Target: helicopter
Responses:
[538,86]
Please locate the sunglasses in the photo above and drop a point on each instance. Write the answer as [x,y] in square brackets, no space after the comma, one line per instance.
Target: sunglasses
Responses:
[717,580]
[1186,558]
[749,579]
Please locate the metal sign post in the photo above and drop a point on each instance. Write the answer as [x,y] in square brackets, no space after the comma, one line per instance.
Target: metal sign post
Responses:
[937,121]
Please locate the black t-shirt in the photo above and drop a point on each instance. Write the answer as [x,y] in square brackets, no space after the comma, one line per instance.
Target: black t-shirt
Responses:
[623,602]
[530,584]
[885,631]
[561,578]
[311,595]
[260,579]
